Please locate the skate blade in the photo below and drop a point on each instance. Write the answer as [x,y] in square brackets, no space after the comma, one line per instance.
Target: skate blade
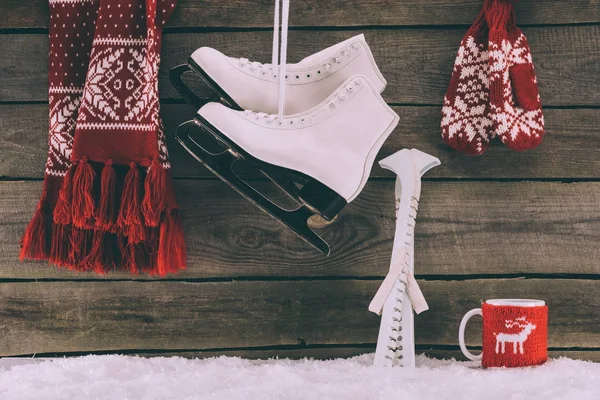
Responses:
[221,163]
[313,194]
[176,77]
[284,181]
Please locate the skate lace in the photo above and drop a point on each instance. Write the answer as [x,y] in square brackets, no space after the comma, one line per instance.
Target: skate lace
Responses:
[261,115]
[279,54]
[395,344]
[254,65]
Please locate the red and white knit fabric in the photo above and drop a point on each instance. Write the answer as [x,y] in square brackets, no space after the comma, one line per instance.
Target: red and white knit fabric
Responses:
[116,207]
[493,90]
[71,32]
[515,105]
[514,336]
[466,121]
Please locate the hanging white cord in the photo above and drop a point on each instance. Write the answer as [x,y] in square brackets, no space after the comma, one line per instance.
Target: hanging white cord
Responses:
[283,56]
[275,56]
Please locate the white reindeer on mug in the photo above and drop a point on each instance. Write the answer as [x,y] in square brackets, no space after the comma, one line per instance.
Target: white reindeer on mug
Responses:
[514,338]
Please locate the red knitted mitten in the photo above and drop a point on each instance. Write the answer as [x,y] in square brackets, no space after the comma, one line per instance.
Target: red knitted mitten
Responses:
[514,97]
[466,125]
[71,33]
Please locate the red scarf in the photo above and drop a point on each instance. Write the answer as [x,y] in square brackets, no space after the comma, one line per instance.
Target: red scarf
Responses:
[116,207]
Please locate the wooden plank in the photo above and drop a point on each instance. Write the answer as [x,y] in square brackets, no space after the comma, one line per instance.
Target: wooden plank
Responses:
[593,356]
[318,353]
[571,148]
[416,62]
[247,13]
[38,317]
[463,228]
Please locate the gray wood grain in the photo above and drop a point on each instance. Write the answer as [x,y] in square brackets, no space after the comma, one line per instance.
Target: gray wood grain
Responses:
[55,317]
[246,13]
[571,148]
[318,353]
[416,62]
[462,228]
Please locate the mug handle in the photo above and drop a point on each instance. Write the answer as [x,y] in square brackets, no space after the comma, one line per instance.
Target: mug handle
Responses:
[461,335]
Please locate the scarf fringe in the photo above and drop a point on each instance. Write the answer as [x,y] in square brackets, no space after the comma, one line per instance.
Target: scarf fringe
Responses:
[107,207]
[130,214]
[61,238]
[132,230]
[154,194]
[62,210]
[34,244]
[171,248]
[82,211]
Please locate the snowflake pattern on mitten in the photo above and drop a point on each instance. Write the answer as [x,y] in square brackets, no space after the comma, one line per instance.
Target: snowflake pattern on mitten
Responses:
[466,125]
[514,96]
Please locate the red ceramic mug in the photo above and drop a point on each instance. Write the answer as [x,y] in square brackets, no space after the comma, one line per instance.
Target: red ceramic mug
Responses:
[515,333]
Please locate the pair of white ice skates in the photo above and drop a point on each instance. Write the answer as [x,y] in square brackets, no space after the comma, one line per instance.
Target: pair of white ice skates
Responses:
[314,127]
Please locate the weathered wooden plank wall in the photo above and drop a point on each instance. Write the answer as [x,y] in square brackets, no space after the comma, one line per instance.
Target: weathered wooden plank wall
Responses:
[570,150]
[465,228]
[502,225]
[416,62]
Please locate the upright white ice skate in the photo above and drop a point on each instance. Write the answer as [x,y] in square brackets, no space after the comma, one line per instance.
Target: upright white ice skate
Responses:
[248,85]
[332,146]
[399,292]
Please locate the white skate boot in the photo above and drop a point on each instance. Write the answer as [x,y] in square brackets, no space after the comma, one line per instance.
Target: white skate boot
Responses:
[248,85]
[399,292]
[331,146]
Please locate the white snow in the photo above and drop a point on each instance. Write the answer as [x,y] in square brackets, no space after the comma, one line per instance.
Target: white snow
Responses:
[123,377]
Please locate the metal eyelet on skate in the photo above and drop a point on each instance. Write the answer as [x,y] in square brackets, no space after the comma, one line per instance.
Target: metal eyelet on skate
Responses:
[327,67]
[345,53]
[337,60]
[297,77]
[291,122]
[332,105]
[355,46]
[349,89]
[357,82]
[341,97]
[318,72]
[308,76]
